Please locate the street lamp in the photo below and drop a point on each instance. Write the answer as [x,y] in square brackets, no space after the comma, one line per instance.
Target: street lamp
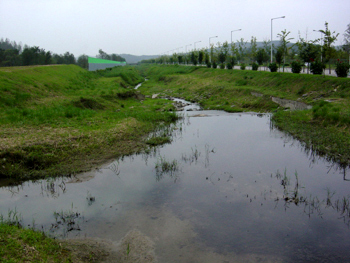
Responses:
[209,46]
[210,38]
[186,47]
[321,41]
[234,31]
[195,44]
[271,32]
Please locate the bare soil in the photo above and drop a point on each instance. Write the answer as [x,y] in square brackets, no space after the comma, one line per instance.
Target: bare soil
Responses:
[134,247]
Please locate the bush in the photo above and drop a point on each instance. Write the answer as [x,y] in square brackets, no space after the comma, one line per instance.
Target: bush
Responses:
[208,65]
[273,67]
[296,66]
[342,69]
[222,66]
[215,65]
[242,66]
[317,67]
[229,65]
[255,66]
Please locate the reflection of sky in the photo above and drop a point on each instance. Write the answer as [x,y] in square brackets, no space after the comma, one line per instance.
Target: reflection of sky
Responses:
[228,193]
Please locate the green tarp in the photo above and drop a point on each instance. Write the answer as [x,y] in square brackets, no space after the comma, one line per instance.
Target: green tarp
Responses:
[103,61]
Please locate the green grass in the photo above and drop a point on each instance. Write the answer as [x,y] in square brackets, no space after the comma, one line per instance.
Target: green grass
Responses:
[58,120]
[27,245]
[325,128]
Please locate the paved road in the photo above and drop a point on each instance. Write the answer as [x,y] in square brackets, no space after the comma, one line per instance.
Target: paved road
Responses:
[289,70]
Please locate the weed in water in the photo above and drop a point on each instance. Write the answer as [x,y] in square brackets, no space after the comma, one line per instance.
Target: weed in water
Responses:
[166,167]
[68,219]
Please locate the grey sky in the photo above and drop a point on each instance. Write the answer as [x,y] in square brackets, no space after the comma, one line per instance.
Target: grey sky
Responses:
[152,27]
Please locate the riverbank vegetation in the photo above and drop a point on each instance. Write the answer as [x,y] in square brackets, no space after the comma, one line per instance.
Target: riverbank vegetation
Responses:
[59,120]
[325,128]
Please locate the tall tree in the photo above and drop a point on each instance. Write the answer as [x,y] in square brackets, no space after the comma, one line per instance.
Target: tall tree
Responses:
[69,58]
[284,44]
[233,54]
[201,57]
[116,57]
[308,51]
[194,58]
[102,54]
[223,52]
[253,49]
[83,61]
[242,49]
[328,48]
[279,56]
[33,56]
[346,45]
[262,56]
[9,57]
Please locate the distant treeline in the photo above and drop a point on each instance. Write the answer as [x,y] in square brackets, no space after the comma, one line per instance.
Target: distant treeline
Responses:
[13,54]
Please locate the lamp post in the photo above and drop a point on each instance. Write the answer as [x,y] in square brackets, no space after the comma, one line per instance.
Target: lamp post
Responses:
[195,44]
[321,41]
[271,32]
[234,31]
[186,47]
[209,45]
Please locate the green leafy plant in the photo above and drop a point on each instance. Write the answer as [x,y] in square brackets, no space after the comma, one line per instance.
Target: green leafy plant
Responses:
[255,66]
[342,69]
[296,66]
[215,65]
[229,65]
[317,67]
[222,65]
[242,66]
[273,67]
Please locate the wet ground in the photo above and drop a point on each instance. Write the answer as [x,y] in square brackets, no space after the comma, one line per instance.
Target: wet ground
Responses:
[229,188]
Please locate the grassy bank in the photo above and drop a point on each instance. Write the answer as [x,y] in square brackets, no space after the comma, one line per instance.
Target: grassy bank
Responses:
[58,120]
[26,245]
[325,128]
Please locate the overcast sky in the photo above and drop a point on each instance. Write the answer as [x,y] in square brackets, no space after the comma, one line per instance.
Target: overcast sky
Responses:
[152,27]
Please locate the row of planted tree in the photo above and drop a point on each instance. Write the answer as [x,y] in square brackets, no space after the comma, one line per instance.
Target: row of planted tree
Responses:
[315,54]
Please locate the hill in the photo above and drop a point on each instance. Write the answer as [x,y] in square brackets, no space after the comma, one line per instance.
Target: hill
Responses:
[132,59]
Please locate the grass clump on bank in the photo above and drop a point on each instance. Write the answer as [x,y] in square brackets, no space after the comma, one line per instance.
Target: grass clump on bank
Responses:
[325,128]
[27,245]
[58,120]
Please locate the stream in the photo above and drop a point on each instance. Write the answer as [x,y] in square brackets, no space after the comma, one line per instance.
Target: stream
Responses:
[229,188]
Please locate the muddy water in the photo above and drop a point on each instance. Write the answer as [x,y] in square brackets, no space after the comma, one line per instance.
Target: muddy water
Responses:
[240,191]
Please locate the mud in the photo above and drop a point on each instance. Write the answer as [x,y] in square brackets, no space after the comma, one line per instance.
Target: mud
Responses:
[167,238]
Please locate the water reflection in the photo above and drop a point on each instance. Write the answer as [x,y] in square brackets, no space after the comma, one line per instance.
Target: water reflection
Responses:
[216,190]
[295,193]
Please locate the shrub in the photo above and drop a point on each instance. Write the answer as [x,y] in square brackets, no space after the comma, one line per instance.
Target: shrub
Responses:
[342,69]
[229,65]
[317,67]
[296,66]
[273,67]
[215,65]
[255,66]
[222,66]
[242,66]
[208,65]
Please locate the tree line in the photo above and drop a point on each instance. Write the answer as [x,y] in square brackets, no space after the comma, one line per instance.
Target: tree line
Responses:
[13,54]
[318,52]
